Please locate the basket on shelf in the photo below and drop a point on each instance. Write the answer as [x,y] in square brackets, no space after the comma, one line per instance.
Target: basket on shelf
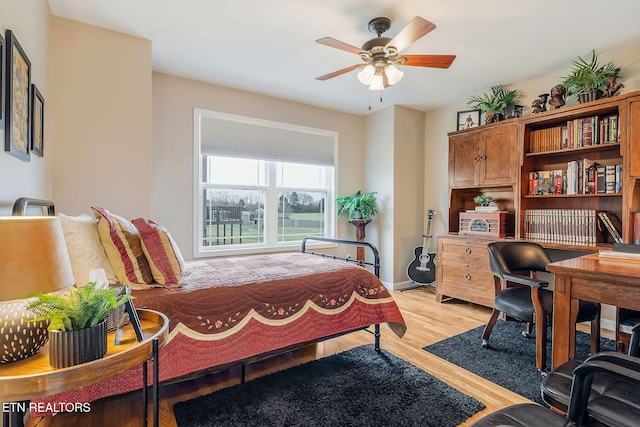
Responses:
[113,319]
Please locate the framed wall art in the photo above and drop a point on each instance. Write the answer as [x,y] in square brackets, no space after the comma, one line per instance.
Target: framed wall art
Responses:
[2,71]
[37,121]
[17,132]
[468,119]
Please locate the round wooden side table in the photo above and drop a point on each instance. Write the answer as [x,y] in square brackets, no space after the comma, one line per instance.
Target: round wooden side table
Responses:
[33,377]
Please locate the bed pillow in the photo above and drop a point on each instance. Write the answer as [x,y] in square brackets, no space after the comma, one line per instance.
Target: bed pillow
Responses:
[162,252]
[121,242]
[84,247]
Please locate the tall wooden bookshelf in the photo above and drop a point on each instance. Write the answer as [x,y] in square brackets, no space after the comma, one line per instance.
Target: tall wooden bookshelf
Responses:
[499,159]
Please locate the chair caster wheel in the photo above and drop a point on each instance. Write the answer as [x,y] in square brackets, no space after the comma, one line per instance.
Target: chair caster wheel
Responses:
[485,344]
[525,334]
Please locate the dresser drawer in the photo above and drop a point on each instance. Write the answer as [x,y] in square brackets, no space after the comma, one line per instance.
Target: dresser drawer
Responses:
[469,275]
[465,250]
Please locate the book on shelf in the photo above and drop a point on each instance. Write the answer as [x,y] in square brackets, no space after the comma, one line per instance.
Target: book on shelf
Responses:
[601,183]
[563,226]
[587,131]
[610,179]
[612,224]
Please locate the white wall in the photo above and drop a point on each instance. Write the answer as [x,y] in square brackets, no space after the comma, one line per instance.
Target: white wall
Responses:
[174,99]
[101,83]
[29,20]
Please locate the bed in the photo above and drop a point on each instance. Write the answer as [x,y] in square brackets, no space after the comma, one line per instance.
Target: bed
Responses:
[228,311]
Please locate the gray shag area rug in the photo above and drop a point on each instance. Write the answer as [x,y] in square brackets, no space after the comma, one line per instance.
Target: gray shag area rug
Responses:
[511,359]
[358,387]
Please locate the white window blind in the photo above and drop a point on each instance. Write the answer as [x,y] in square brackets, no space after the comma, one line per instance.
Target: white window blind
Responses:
[229,135]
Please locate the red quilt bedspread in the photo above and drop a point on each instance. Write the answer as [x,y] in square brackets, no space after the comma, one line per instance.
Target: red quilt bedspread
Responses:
[230,309]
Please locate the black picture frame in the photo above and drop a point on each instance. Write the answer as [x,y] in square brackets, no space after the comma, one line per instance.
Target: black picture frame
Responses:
[2,73]
[468,119]
[17,132]
[37,121]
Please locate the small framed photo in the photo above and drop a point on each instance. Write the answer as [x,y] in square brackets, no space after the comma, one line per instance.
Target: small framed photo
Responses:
[468,119]
[37,121]
[17,124]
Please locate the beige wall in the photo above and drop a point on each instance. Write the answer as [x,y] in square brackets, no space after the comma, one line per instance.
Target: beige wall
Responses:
[394,168]
[29,20]
[175,98]
[101,83]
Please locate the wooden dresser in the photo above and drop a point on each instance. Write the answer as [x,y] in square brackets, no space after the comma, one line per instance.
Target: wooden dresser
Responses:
[463,269]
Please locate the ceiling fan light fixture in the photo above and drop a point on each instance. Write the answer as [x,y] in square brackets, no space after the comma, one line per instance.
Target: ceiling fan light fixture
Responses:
[366,75]
[377,83]
[394,75]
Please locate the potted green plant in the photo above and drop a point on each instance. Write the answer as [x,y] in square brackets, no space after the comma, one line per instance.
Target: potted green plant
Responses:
[77,322]
[587,78]
[483,200]
[494,103]
[361,206]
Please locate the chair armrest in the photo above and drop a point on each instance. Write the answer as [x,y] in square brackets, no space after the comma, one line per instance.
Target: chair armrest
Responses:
[620,359]
[523,280]
[583,378]
[634,344]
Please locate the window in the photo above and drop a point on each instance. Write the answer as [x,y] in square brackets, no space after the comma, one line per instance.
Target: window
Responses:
[260,185]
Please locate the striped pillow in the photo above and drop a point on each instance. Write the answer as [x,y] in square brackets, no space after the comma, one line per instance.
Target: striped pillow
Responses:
[162,252]
[121,242]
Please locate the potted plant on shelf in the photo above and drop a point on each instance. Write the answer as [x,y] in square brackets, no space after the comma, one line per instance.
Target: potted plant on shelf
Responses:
[484,202]
[77,322]
[361,206]
[494,103]
[587,78]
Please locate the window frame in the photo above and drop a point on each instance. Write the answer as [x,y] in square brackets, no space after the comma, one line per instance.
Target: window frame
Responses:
[198,186]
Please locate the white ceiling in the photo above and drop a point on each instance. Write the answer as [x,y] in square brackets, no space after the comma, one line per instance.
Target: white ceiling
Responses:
[268,46]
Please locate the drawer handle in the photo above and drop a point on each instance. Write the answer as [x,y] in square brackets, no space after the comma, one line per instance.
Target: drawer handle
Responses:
[467,250]
[467,276]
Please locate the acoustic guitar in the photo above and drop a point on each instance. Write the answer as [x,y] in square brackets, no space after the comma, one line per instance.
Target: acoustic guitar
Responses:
[422,270]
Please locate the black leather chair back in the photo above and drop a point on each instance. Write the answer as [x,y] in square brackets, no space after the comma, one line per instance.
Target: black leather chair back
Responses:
[507,257]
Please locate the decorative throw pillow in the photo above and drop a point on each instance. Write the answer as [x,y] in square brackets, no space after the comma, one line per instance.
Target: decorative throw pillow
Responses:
[84,247]
[121,242]
[162,252]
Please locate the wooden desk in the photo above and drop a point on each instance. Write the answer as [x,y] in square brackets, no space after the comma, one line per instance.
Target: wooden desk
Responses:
[34,377]
[589,278]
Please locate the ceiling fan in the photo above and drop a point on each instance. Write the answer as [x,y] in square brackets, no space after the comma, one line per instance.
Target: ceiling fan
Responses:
[382,54]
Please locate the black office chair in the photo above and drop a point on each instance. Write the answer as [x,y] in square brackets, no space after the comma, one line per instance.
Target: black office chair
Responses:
[556,386]
[619,366]
[530,302]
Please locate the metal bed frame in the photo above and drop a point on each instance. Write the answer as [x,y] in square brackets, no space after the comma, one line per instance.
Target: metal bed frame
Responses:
[375,264]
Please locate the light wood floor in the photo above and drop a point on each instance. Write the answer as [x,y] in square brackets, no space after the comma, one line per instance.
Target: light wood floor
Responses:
[427,322]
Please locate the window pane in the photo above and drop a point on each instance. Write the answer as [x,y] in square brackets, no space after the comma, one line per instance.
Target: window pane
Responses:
[233,171]
[300,214]
[233,217]
[300,176]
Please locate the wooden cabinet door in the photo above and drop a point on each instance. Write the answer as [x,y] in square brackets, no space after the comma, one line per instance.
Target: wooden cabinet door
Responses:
[498,156]
[633,135]
[463,160]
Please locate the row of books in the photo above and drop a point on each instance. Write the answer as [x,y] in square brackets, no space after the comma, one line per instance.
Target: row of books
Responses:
[583,176]
[576,133]
[580,227]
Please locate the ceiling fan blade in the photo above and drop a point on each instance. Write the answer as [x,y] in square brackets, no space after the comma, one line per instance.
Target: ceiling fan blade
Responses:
[331,42]
[415,29]
[434,61]
[339,72]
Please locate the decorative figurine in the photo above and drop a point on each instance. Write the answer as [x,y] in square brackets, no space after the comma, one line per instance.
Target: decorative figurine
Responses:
[613,87]
[536,106]
[557,96]
[543,97]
